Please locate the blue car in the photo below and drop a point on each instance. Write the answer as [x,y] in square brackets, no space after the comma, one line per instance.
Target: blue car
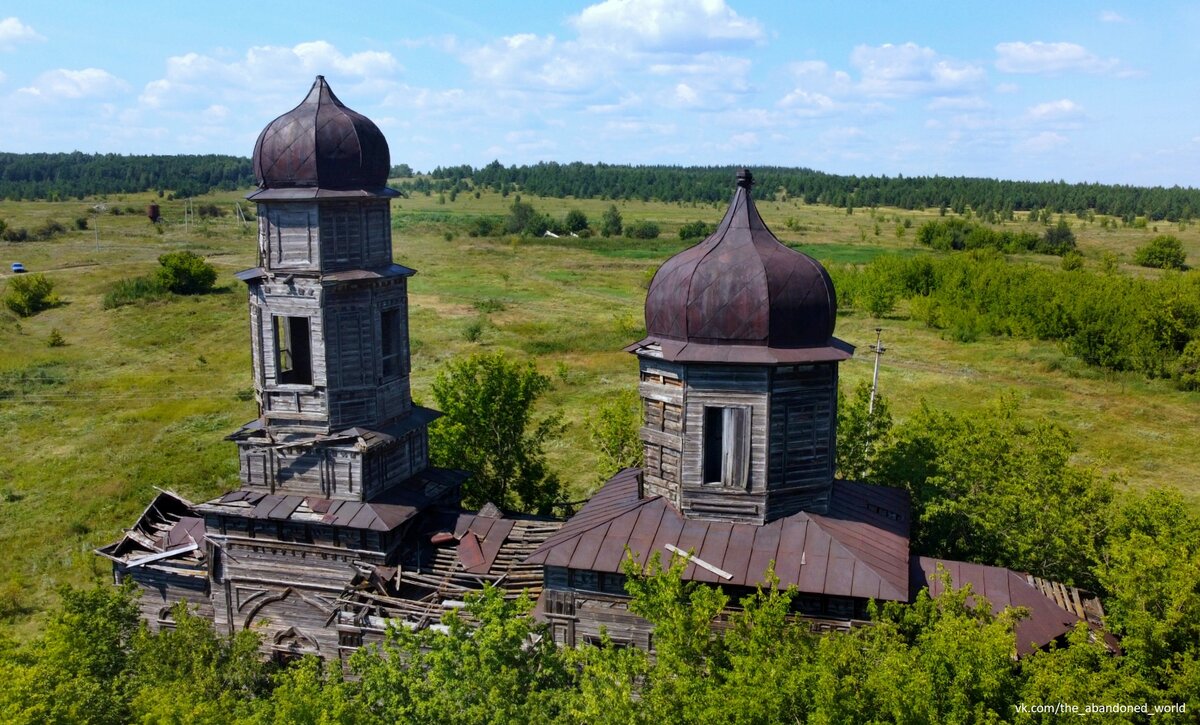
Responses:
[18,268]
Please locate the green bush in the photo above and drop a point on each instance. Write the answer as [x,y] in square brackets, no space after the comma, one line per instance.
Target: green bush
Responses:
[30,294]
[641,230]
[1162,252]
[696,230]
[185,273]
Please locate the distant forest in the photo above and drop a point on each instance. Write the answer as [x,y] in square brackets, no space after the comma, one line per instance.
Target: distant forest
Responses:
[712,183]
[76,174]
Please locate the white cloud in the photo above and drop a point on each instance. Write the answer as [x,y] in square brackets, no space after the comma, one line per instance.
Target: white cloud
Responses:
[685,95]
[1062,109]
[909,70]
[13,31]
[1044,141]
[1007,88]
[71,84]
[1112,16]
[534,62]
[667,25]
[265,77]
[1039,57]
[2,76]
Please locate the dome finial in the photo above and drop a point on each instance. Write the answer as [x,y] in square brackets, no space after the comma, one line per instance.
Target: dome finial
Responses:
[745,179]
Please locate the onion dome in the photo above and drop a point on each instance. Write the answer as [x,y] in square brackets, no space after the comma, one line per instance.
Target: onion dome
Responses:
[741,296]
[321,146]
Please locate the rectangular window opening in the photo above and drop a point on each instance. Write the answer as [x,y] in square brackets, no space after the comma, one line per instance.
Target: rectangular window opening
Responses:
[389,322]
[726,455]
[293,351]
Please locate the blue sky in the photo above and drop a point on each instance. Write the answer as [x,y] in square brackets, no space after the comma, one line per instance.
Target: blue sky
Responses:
[1019,90]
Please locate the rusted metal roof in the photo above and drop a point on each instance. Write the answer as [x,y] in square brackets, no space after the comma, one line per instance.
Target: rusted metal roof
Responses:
[321,145]
[382,513]
[740,296]
[859,549]
[1002,588]
[168,532]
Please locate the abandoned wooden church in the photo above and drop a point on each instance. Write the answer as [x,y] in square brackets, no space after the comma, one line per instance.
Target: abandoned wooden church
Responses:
[341,526]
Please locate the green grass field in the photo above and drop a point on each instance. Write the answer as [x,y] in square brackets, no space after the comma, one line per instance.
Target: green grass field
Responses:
[141,396]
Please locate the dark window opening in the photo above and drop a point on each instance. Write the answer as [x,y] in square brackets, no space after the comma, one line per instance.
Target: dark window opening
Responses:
[389,322]
[293,351]
[726,456]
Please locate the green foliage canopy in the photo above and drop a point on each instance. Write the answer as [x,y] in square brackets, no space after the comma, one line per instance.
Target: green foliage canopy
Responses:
[29,294]
[1162,252]
[185,273]
[488,428]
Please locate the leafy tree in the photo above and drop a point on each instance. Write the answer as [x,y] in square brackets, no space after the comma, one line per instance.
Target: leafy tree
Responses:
[190,673]
[1058,239]
[74,671]
[504,669]
[29,294]
[610,222]
[996,488]
[614,430]
[1151,571]
[488,429]
[1162,252]
[861,434]
[576,221]
[185,273]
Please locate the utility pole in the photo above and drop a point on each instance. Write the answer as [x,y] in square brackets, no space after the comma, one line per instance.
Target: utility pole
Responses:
[878,349]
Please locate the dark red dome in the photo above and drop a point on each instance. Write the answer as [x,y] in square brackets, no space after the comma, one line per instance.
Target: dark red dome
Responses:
[321,144]
[742,296]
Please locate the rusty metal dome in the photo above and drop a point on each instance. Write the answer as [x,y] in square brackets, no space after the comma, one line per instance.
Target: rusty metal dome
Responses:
[741,296]
[321,145]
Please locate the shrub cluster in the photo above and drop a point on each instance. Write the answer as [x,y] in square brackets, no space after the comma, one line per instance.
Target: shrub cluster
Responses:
[1111,321]
[30,294]
[696,230]
[1162,252]
[181,273]
[960,234]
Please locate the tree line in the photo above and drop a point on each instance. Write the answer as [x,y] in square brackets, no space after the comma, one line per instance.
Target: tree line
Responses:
[56,176]
[707,184]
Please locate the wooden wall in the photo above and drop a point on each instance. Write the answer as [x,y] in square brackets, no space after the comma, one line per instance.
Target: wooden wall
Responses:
[792,424]
[287,591]
[328,236]
[803,438]
[161,586]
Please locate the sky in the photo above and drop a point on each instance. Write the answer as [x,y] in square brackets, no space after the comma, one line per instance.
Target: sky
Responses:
[1066,90]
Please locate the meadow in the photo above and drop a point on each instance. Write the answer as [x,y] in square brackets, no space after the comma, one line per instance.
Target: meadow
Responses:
[142,395]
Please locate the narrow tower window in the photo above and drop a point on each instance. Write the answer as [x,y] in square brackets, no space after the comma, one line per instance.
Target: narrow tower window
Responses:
[726,455]
[293,351]
[389,322]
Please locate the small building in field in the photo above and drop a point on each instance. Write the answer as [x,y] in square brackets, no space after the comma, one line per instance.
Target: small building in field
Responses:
[340,525]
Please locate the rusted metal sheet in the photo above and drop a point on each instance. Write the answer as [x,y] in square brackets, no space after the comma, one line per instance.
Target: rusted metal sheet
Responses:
[741,296]
[822,554]
[1002,588]
[469,552]
[321,144]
